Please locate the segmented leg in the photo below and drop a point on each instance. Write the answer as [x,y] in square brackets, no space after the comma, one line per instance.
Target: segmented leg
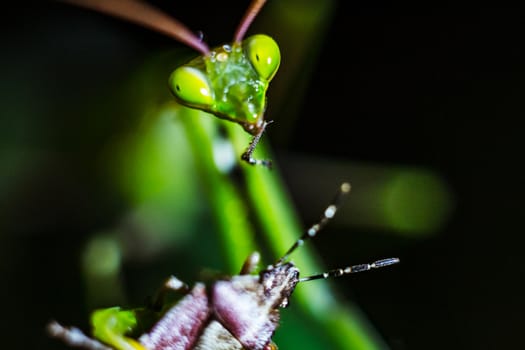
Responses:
[247,155]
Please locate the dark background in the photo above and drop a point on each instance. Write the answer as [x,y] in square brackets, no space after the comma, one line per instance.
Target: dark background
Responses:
[434,86]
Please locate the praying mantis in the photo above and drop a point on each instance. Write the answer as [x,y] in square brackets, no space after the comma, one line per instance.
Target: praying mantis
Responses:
[229,81]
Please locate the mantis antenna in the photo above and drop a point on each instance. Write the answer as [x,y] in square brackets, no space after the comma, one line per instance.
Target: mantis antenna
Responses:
[147,16]
[247,20]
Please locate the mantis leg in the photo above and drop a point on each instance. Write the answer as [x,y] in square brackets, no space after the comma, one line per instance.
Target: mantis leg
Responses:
[247,155]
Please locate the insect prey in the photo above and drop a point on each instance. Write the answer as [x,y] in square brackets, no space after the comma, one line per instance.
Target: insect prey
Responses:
[239,312]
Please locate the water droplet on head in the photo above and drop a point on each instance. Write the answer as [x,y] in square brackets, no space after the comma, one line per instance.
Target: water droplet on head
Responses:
[222,57]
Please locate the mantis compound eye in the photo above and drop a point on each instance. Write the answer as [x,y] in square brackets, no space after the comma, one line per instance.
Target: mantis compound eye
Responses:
[191,87]
[264,55]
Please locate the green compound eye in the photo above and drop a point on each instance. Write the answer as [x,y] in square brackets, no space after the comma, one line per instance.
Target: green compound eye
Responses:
[191,86]
[264,55]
